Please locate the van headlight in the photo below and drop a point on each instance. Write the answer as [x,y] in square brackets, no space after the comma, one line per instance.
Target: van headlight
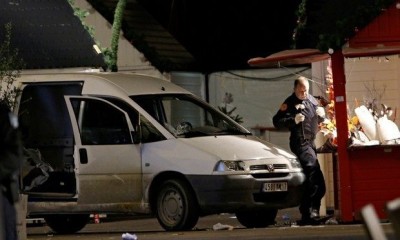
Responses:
[223,166]
[294,163]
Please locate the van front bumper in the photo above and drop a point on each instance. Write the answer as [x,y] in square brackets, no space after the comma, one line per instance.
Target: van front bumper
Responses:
[233,193]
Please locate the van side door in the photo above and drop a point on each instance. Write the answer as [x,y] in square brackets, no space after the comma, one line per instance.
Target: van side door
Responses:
[108,163]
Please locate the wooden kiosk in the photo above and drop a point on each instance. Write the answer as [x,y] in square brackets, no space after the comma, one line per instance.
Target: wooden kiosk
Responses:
[365,174]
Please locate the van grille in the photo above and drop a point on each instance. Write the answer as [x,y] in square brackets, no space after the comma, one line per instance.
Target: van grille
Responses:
[270,175]
[265,167]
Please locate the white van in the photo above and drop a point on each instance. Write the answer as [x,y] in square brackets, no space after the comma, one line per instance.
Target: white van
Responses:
[134,144]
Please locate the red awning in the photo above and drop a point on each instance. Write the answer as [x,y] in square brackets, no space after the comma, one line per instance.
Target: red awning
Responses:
[306,56]
[289,57]
[370,52]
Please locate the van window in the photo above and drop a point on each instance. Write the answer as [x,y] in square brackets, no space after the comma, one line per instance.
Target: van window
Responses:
[186,116]
[149,133]
[100,123]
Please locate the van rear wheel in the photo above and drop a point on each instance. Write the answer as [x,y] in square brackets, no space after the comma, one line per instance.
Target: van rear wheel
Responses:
[176,207]
[257,219]
[66,223]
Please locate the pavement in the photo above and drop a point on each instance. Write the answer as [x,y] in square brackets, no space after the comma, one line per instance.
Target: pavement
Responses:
[149,229]
[285,218]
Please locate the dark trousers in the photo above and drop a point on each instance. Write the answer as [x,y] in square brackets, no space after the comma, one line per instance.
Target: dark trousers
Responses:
[8,221]
[314,185]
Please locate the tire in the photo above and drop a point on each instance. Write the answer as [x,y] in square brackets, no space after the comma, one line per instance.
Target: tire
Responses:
[66,223]
[176,206]
[257,219]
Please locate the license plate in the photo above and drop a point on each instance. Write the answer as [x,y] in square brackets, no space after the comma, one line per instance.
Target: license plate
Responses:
[275,187]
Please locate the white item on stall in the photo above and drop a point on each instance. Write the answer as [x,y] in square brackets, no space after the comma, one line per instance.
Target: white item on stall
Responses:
[367,122]
[387,130]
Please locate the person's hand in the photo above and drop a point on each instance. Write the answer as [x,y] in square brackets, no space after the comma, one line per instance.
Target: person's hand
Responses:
[299,118]
[320,112]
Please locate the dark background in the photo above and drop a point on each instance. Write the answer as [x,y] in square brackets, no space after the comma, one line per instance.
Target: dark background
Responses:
[223,35]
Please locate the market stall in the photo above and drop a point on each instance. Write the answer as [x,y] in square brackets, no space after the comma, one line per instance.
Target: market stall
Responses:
[365,173]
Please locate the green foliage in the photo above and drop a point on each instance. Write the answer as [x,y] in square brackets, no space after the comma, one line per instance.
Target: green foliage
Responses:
[10,68]
[325,24]
[237,118]
[108,55]
[82,14]
[228,99]
[137,40]
[116,29]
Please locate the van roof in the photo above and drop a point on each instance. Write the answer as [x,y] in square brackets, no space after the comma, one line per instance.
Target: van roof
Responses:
[103,83]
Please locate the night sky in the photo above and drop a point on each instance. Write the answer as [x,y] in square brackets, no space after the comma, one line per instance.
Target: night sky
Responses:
[223,35]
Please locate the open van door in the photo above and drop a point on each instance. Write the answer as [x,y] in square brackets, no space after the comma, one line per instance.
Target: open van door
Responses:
[107,162]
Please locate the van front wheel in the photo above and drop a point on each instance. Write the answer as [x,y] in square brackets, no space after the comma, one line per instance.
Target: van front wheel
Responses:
[66,223]
[176,206]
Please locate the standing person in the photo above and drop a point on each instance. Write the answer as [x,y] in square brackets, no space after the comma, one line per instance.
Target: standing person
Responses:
[301,115]
[10,161]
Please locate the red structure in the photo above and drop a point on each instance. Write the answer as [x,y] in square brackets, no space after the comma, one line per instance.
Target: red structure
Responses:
[368,174]
[382,31]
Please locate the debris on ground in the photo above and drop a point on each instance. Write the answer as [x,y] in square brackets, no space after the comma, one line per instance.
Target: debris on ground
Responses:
[331,221]
[128,236]
[220,226]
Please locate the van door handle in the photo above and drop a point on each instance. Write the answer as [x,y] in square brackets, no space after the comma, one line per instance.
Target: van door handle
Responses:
[83,156]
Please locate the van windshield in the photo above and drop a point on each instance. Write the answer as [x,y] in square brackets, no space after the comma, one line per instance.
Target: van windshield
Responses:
[186,116]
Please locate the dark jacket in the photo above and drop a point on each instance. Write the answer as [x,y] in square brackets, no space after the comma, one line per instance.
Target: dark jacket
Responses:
[285,116]
[10,152]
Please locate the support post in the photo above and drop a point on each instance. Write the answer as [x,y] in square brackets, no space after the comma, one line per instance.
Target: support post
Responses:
[339,87]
